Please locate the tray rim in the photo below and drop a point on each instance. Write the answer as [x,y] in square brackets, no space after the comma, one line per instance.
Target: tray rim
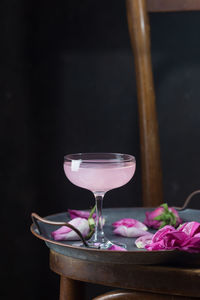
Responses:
[142,252]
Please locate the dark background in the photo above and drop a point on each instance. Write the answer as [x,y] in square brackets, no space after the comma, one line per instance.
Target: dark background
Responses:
[67,85]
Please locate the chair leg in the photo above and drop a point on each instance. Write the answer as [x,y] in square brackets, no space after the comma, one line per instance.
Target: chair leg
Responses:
[71,289]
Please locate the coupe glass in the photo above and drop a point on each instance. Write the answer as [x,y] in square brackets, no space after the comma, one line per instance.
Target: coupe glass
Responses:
[99,173]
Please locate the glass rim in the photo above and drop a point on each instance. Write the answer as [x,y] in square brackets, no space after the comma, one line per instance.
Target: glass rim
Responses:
[117,157]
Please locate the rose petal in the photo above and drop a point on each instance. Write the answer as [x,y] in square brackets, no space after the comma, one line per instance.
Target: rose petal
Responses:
[66,233]
[158,236]
[174,240]
[129,231]
[169,238]
[190,228]
[156,212]
[158,242]
[116,248]
[192,245]
[79,213]
[144,240]
[130,223]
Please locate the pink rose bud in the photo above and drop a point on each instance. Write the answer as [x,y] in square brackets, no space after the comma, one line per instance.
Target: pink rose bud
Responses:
[162,216]
[129,228]
[66,233]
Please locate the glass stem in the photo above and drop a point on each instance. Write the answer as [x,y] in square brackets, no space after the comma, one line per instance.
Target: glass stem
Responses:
[99,233]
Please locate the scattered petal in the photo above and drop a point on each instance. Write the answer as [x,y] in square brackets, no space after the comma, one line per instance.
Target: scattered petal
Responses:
[66,233]
[116,248]
[129,231]
[144,240]
[130,223]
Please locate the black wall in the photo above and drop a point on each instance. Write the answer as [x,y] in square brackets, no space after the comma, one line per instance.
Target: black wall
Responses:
[67,85]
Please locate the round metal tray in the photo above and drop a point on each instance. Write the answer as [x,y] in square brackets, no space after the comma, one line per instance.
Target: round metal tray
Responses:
[133,255]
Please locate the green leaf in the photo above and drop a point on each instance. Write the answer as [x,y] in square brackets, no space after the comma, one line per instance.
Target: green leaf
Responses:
[91,223]
[167,217]
[90,234]
[158,218]
[173,219]
[92,211]
[163,224]
[165,206]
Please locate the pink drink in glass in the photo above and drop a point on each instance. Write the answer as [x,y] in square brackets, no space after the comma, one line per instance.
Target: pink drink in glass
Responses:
[99,176]
[99,173]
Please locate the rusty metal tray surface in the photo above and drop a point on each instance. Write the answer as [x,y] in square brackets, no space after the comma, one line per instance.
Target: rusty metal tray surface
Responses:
[133,255]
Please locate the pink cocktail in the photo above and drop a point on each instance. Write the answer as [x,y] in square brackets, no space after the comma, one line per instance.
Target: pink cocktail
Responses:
[100,177]
[99,173]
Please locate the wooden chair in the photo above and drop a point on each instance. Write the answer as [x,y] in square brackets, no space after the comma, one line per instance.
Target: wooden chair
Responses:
[139,29]
[149,282]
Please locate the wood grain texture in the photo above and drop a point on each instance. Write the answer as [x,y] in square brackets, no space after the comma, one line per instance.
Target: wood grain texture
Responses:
[139,30]
[154,279]
[172,5]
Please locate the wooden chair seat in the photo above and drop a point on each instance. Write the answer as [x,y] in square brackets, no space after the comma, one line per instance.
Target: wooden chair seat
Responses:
[173,281]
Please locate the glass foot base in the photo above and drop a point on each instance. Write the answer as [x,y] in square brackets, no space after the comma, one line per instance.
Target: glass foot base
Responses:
[107,245]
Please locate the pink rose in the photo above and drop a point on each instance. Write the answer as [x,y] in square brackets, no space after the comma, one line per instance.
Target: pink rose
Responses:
[66,233]
[158,239]
[162,216]
[129,228]
[162,232]
[185,238]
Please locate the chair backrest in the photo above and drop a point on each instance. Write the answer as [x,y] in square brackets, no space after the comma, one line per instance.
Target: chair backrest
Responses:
[172,5]
[139,30]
